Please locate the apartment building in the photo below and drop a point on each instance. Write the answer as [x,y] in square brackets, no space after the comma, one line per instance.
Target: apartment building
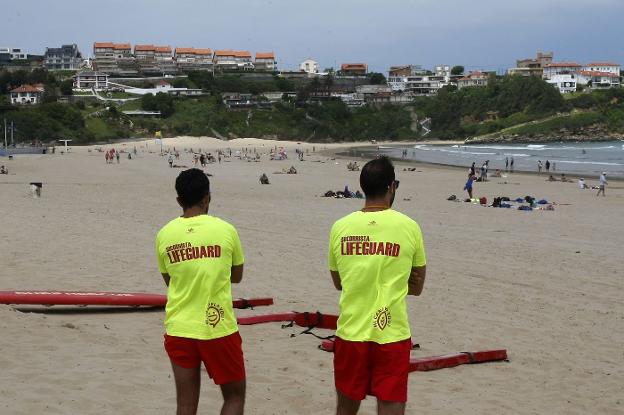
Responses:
[114,58]
[67,58]
[90,79]
[191,59]
[232,60]
[265,61]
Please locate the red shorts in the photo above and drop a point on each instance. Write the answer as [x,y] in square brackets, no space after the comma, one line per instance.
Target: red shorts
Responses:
[222,357]
[367,368]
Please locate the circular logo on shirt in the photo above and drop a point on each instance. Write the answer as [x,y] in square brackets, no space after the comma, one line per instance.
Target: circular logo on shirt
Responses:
[214,314]
[382,319]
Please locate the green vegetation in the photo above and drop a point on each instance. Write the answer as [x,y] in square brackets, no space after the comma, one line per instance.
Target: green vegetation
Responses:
[511,105]
[457,70]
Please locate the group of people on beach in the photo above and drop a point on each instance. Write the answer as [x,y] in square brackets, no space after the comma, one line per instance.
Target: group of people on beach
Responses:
[373,340]
[111,155]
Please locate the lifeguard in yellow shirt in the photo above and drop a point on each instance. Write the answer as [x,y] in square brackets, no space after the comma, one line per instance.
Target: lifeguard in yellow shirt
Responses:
[376,258]
[199,257]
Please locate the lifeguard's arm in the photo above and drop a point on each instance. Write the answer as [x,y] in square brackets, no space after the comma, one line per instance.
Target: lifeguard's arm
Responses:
[336,279]
[237,274]
[416,280]
[167,278]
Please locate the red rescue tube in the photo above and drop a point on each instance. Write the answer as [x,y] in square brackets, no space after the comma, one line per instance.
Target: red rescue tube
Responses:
[425,364]
[100,298]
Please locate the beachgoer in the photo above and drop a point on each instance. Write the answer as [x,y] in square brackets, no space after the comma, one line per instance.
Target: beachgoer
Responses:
[547,165]
[117,156]
[563,177]
[551,178]
[199,257]
[4,170]
[264,179]
[603,183]
[170,160]
[506,163]
[539,166]
[582,184]
[554,166]
[472,170]
[468,186]
[511,163]
[376,258]
[482,173]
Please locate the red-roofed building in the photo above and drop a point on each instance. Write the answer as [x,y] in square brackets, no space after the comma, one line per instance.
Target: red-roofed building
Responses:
[27,94]
[265,61]
[232,60]
[192,59]
[608,67]
[356,69]
[599,79]
[473,79]
[114,58]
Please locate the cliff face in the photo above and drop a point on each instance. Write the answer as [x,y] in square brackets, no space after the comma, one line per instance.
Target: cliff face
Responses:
[597,132]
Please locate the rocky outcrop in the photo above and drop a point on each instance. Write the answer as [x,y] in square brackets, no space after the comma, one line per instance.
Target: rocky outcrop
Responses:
[597,132]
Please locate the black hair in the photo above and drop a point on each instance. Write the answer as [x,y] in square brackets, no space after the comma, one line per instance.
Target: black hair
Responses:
[377,175]
[192,186]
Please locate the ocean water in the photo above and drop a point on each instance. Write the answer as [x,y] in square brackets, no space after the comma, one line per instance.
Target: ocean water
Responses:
[588,159]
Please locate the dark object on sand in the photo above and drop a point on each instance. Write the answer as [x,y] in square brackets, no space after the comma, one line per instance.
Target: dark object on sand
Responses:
[264,179]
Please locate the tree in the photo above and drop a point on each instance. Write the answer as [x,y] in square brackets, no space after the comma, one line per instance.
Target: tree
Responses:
[67,87]
[457,70]
[377,78]
[160,102]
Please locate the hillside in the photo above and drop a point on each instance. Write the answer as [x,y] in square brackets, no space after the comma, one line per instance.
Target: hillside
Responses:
[510,108]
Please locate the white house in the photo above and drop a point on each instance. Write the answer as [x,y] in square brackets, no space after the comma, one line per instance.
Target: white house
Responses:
[608,67]
[310,66]
[564,82]
[598,79]
[27,95]
[90,79]
[473,79]
[558,68]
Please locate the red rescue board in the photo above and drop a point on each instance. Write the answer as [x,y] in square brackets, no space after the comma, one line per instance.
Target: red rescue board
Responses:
[100,298]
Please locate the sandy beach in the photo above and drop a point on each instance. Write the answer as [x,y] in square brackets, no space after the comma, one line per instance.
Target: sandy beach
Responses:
[545,285]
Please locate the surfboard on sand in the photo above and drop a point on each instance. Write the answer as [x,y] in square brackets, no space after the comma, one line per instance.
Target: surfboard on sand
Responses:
[102,298]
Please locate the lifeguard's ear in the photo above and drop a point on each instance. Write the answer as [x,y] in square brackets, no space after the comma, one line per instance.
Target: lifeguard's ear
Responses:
[179,202]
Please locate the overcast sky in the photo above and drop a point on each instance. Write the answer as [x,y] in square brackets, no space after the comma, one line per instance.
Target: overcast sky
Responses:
[480,34]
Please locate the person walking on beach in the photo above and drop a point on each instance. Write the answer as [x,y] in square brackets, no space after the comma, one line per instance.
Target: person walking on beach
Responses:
[539,166]
[603,183]
[468,186]
[199,257]
[511,163]
[506,163]
[117,156]
[472,170]
[376,258]
[170,160]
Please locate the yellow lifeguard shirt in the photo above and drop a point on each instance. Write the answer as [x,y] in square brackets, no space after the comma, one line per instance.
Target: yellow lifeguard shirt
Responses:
[198,254]
[374,253]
